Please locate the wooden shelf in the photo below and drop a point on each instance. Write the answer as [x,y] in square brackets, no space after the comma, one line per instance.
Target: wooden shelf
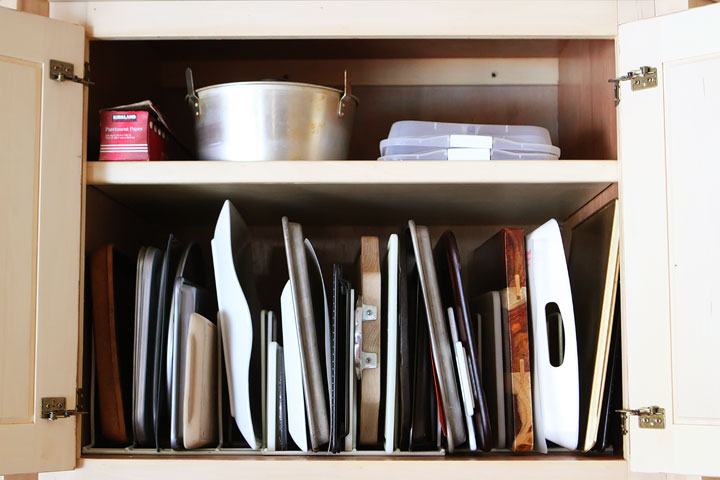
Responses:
[358,192]
[351,172]
[557,467]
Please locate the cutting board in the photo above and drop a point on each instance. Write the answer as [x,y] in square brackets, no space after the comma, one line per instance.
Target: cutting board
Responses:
[499,265]
[200,421]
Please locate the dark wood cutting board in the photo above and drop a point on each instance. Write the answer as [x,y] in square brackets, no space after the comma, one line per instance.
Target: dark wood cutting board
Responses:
[499,264]
[112,284]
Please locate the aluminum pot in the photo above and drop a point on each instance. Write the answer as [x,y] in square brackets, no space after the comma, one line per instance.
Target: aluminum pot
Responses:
[272,120]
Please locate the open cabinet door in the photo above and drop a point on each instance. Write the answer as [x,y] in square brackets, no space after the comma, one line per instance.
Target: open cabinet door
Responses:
[40,221]
[670,187]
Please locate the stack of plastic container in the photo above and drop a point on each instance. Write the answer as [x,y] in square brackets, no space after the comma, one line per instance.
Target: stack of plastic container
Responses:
[415,140]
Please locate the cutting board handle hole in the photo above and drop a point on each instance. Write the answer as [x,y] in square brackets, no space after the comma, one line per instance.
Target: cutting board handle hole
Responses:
[555,334]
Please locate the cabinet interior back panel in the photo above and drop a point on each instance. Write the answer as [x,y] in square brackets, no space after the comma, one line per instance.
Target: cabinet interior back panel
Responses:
[516,84]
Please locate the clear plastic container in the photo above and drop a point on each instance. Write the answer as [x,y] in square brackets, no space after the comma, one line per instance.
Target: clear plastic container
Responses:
[404,145]
[518,133]
[467,154]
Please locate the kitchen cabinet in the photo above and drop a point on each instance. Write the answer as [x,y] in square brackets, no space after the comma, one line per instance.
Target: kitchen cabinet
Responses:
[57,207]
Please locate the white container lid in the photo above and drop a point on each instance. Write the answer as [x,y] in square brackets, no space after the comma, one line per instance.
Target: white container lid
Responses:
[404,145]
[467,154]
[518,133]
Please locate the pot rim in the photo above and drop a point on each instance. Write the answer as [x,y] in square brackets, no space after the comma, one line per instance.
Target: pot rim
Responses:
[276,84]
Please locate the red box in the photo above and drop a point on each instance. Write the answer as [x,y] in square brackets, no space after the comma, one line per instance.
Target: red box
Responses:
[137,132]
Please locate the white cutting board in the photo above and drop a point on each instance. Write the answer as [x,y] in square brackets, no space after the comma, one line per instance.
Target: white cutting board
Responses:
[392,328]
[235,316]
[293,371]
[556,389]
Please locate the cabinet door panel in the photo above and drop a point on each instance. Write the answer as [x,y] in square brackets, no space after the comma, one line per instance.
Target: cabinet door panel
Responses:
[40,218]
[19,174]
[694,235]
[671,234]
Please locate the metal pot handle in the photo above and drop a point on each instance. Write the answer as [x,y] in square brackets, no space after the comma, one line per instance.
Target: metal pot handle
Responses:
[191,98]
[346,96]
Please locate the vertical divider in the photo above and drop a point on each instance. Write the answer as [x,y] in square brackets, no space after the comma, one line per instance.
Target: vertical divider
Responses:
[221,433]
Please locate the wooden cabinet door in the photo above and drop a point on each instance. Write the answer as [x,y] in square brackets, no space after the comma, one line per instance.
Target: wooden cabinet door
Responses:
[40,231]
[670,191]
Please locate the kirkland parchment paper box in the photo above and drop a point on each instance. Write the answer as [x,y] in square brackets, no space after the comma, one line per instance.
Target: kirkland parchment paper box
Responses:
[137,132]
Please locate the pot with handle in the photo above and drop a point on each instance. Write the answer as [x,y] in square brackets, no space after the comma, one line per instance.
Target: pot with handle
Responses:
[272,120]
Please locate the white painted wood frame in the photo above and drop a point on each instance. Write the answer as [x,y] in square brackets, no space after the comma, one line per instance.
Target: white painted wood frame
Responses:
[671,231]
[342,18]
[40,220]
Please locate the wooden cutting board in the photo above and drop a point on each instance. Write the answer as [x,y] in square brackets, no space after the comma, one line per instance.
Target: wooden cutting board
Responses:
[499,264]
[371,288]
[112,291]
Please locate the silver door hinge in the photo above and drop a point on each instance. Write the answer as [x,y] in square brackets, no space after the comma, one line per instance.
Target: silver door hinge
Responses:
[55,407]
[61,71]
[363,360]
[648,417]
[644,77]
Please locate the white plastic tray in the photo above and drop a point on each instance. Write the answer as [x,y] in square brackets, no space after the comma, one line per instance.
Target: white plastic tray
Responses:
[467,154]
[405,145]
[518,133]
